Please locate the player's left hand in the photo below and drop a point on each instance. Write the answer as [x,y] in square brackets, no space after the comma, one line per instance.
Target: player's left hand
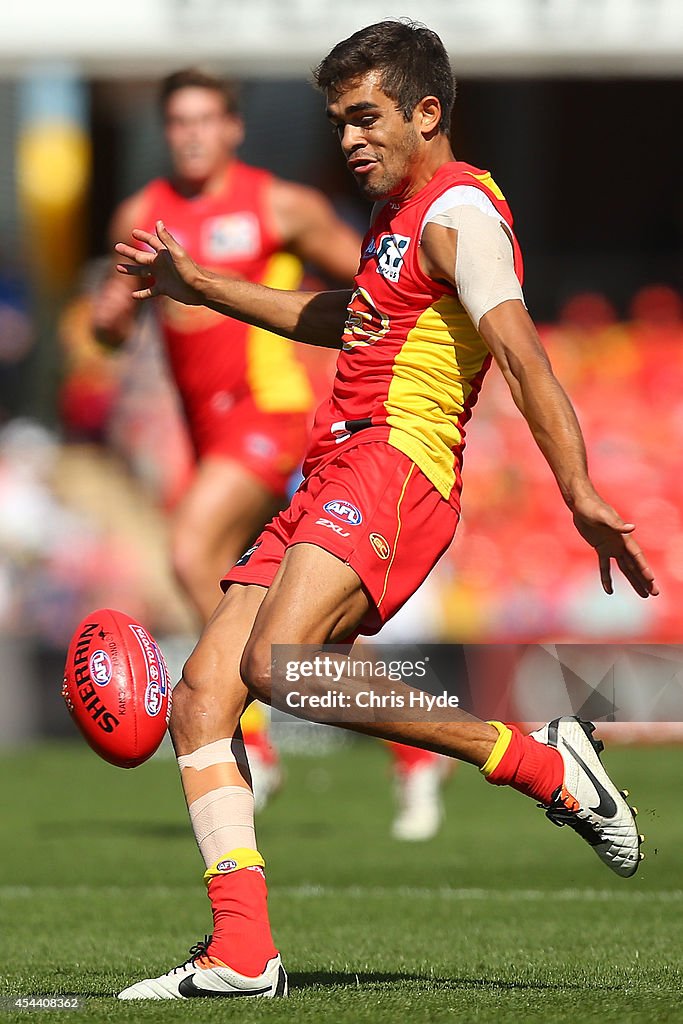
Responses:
[604,529]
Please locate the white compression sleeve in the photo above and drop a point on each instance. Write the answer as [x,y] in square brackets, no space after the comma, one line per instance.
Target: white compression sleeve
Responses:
[222,813]
[223,820]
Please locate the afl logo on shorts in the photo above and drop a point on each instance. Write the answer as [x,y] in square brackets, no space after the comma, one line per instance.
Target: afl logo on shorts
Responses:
[100,667]
[380,545]
[345,511]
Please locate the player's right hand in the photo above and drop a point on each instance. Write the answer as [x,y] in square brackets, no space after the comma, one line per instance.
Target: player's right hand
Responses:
[165,270]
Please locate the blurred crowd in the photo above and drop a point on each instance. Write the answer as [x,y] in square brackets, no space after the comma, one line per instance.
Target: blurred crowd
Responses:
[517,570]
[82,509]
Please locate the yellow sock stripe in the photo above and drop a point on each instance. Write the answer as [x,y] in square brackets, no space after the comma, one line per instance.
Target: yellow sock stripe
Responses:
[398,533]
[499,748]
[234,861]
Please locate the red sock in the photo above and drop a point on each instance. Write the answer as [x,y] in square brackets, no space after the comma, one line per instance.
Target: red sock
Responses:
[241,929]
[532,768]
[407,758]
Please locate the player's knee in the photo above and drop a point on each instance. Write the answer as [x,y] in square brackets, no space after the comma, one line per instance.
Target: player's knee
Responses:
[256,670]
[187,696]
[180,710]
[204,692]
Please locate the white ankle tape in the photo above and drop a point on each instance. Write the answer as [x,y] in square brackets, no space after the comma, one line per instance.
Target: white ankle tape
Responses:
[219,752]
[223,819]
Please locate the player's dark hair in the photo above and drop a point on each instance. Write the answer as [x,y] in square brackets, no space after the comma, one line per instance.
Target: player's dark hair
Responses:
[195,78]
[411,59]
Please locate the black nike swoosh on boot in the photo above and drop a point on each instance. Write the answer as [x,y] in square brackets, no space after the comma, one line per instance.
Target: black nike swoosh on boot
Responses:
[607,806]
[188,989]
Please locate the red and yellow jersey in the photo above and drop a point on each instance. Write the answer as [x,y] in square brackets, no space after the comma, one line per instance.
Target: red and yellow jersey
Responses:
[216,361]
[412,362]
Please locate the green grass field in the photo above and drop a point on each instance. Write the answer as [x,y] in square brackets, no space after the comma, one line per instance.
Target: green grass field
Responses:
[502,918]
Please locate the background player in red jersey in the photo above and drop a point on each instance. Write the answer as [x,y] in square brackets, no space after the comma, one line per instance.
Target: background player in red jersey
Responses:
[246,397]
[436,297]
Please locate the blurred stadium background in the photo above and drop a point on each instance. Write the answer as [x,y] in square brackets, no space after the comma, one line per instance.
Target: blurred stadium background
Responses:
[574,104]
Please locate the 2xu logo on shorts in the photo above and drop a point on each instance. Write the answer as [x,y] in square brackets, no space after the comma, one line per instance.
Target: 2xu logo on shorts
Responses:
[345,511]
[335,527]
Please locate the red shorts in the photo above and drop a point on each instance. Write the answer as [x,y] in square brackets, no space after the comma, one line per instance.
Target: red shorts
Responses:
[271,445]
[376,511]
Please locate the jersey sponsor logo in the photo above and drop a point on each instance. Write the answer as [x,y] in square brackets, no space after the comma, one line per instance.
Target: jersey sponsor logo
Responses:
[369,250]
[380,545]
[345,511]
[390,253]
[329,525]
[231,235]
[365,323]
[243,559]
[100,667]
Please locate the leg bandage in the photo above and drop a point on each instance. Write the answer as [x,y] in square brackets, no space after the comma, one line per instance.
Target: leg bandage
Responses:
[218,752]
[221,805]
[223,819]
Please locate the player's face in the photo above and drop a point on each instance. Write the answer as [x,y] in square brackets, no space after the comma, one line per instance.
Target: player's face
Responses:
[381,148]
[200,134]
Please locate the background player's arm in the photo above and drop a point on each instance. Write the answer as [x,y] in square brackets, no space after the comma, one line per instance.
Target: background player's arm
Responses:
[113,307]
[308,225]
[314,318]
[510,335]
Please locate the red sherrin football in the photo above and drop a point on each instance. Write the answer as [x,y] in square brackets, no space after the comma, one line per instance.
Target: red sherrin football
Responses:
[117,687]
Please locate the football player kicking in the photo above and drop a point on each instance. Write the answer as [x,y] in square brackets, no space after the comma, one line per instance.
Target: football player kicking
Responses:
[246,397]
[437,295]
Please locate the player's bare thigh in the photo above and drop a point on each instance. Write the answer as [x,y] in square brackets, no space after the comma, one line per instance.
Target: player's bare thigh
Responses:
[315,598]
[211,696]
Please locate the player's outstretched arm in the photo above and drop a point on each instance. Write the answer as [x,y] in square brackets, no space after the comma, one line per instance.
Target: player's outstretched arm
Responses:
[509,333]
[476,259]
[315,318]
